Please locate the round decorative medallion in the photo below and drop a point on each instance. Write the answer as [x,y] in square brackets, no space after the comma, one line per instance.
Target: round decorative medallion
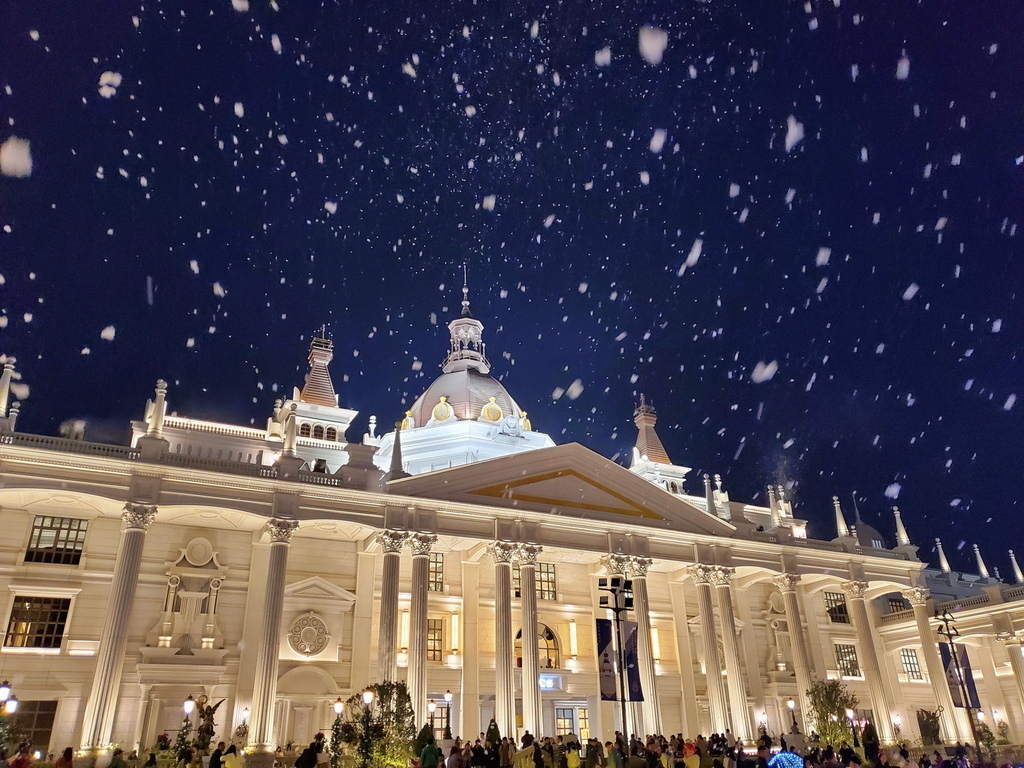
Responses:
[198,552]
[308,634]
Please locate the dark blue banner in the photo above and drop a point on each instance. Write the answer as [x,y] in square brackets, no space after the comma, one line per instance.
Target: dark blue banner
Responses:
[606,660]
[955,691]
[636,692]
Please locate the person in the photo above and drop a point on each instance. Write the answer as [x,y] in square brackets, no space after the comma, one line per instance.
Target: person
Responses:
[66,759]
[523,758]
[185,757]
[117,760]
[23,759]
[218,754]
[230,759]
[506,752]
[150,761]
[429,756]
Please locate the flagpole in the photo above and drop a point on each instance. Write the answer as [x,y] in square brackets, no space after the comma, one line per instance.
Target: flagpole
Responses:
[949,631]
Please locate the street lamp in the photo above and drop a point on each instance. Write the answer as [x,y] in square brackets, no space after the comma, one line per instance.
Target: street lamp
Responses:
[11,705]
[365,743]
[5,690]
[949,631]
[339,705]
[189,706]
[792,713]
[448,715]
[618,601]
[897,725]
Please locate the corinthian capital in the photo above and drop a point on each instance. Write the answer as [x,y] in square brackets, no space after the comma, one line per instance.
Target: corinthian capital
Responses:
[420,543]
[702,574]
[616,563]
[917,595]
[722,576]
[855,589]
[279,530]
[527,554]
[638,566]
[392,541]
[138,516]
[503,551]
[787,582]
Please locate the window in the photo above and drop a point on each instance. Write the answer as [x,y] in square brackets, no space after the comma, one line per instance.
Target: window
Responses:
[564,721]
[56,540]
[35,719]
[440,719]
[547,648]
[435,639]
[878,544]
[37,622]
[332,434]
[835,607]
[846,660]
[544,575]
[435,572]
[305,430]
[584,718]
[910,663]
[318,432]
[896,605]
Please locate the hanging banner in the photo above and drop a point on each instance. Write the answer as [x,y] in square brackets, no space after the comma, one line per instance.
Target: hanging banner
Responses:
[955,691]
[636,693]
[605,660]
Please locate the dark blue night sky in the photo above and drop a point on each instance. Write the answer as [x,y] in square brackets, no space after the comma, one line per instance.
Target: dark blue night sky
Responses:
[258,172]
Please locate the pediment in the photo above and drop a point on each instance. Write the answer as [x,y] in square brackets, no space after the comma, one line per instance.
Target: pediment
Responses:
[318,591]
[566,480]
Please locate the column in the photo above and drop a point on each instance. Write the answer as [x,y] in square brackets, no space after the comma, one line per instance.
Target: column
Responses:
[650,708]
[684,651]
[261,722]
[1013,649]
[722,579]
[140,717]
[527,556]
[918,599]
[106,680]
[702,576]
[869,657]
[469,695]
[362,623]
[387,642]
[420,544]
[787,584]
[504,686]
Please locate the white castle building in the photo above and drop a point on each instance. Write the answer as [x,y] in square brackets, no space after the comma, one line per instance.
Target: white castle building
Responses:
[285,567]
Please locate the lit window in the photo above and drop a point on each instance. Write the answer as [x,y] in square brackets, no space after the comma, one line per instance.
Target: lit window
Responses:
[544,575]
[878,544]
[56,540]
[435,639]
[835,607]
[584,718]
[547,647]
[37,622]
[318,432]
[35,721]
[910,663]
[846,660]
[332,434]
[440,720]
[435,572]
[565,722]
[305,430]
[896,605]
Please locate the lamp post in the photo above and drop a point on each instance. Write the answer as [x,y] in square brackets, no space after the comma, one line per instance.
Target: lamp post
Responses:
[853,726]
[618,601]
[948,630]
[897,725]
[365,742]
[431,709]
[792,713]
[8,706]
[448,715]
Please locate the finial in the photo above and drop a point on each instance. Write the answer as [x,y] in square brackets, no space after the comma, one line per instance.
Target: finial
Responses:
[1017,575]
[842,529]
[943,562]
[718,483]
[5,384]
[773,507]
[982,568]
[856,509]
[709,495]
[901,531]
[465,290]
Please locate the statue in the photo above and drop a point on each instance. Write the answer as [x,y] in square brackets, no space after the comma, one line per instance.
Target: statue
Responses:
[207,727]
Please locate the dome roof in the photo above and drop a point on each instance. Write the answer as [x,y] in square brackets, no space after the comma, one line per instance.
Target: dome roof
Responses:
[867,536]
[468,392]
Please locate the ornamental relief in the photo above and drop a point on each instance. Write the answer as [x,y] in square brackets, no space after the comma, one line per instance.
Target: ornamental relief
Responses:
[308,634]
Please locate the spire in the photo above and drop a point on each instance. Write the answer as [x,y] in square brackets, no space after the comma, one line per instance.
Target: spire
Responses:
[901,532]
[5,385]
[1017,575]
[467,348]
[856,510]
[842,529]
[319,389]
[396,471]
[943,562]
[773,505]
[709,495]
[648,444]
[982,568]
[156,417]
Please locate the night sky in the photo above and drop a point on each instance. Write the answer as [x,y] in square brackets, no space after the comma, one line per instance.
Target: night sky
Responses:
[796,233]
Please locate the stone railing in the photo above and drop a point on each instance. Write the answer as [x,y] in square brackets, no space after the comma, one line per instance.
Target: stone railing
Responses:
[212,465]
[963,603]
[895,616]
[69,446]
[1013,593]
[215,429]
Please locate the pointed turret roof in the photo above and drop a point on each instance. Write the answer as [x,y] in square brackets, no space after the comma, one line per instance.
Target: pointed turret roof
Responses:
[319,389]
[648,444]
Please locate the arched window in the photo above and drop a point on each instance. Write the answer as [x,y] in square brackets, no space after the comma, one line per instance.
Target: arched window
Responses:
[547,648]
[318,432]
[674,488]
[332,434]
[304,429]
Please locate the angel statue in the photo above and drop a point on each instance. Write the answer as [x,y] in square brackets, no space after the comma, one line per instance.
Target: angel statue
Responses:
[207,728]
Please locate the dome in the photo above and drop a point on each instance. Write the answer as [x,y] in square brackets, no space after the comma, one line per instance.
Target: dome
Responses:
[469,393]
[867,536]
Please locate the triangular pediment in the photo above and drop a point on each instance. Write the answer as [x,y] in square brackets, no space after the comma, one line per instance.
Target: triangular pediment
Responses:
[317,589]
[567,480]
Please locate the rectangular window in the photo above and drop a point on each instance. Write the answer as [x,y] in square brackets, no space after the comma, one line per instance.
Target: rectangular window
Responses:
[439,721]
[56,540]
[835,607]
[910,663]
[435,639]
[435,572]
[564,723]
[584,717]
[546,581]
[896,605]
[846,660]
[35,720]
[37,622]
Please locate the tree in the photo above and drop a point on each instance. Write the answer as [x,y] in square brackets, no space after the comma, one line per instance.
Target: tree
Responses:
[424,737]
[829,700]
[385,733]
[493,734]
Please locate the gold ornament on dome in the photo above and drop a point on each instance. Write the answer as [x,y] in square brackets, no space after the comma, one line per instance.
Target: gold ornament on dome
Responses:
[492,411]
[442,411]
[408,422]
[526,422]
[308,634]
